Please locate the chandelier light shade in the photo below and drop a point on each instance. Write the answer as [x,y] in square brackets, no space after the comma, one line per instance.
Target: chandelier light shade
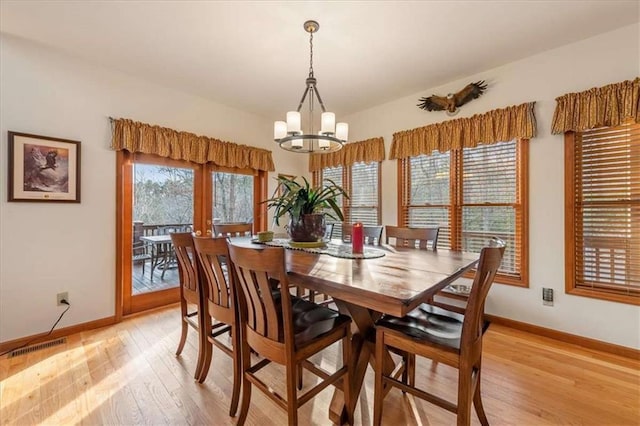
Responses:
[329,136]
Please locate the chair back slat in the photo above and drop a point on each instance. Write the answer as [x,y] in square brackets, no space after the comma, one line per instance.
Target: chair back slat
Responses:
[185,253]
[212,254]
[257,270]
[488,265]
[423,238]
[232,229]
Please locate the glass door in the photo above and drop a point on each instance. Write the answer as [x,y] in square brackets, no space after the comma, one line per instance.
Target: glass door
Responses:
[162,204]
[157,196]
[161,197]
[232,195]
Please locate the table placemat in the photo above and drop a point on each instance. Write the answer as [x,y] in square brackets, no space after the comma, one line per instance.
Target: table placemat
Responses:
[332,249]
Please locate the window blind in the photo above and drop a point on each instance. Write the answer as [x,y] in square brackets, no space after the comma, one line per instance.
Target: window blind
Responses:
[336,175]
[363,205]
[472,194]
[489,197]
[361,182]
[429,194]
[606,213]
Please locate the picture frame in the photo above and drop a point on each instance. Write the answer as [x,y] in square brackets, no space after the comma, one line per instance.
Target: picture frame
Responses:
[43,169]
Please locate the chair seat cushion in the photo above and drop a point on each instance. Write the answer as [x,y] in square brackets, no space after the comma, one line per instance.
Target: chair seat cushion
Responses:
[430,323]
[311,321]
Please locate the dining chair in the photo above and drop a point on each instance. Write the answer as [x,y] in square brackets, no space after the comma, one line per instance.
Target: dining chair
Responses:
[166,251]
[219,312]
[372,234]
[284,329]
[424,238]
[443,336]
[140,254]
[232,229]
[328,233]
[189,291]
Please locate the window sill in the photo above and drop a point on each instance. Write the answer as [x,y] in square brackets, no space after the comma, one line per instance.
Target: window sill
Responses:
[603,295]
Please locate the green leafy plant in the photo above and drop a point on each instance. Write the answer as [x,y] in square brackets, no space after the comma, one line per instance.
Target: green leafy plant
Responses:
[299,199]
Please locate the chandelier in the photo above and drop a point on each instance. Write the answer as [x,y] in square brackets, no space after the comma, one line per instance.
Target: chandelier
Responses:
[330,137]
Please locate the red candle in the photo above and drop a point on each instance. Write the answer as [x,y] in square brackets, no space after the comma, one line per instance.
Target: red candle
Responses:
[357,238]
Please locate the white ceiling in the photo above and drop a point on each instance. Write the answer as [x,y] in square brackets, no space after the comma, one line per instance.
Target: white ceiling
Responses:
[254,55]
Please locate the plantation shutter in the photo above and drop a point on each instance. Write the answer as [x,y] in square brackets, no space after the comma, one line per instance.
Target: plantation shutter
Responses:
[490,201]
[427,195]
[607,209]
[336,175]
[364,193]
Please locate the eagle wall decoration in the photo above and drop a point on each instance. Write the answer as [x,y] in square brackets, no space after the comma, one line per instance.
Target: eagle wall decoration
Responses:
[452,101]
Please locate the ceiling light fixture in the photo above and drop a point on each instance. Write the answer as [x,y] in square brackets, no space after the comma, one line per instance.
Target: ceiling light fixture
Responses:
[289,134]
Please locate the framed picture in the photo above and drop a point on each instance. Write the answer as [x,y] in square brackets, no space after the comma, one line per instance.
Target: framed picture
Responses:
[44,169]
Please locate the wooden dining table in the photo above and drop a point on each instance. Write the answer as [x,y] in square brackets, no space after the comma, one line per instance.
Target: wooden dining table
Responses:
[365,289]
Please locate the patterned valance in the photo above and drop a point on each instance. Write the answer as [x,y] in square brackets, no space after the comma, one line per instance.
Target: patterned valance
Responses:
[609,105]
[499,125]
[140,137]
[366,151]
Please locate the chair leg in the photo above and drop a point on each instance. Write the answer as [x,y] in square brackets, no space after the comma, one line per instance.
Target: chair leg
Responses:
[237,370]
[206,360]
[409,371]
[477,401]
[246,384]
[412,370]
[464,396]
[185,327]
[292,393]
[378,394]
[299,376]
[164,267]
[205,351]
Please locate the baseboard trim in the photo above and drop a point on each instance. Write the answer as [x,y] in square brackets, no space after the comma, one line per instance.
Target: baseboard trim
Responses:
[61,332]
[585,342]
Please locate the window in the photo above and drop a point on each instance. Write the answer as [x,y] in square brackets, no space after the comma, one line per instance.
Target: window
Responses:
[472,194]
[362,182]
[232,197]
[602,220]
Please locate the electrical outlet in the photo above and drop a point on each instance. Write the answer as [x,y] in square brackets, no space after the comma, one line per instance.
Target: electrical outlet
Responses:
[62,296]
[547,296]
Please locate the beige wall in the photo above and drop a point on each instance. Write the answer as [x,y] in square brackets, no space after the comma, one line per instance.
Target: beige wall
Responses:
[608,58]
[49,248]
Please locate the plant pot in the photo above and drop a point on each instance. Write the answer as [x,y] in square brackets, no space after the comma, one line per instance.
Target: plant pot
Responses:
[307,228]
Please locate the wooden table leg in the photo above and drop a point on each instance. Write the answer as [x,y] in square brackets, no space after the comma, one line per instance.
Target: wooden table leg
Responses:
[362,353]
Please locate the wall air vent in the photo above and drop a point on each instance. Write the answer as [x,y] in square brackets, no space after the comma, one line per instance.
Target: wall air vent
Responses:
[37,347]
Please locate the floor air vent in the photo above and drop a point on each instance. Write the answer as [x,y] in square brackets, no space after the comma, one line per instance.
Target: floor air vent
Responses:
[37,347]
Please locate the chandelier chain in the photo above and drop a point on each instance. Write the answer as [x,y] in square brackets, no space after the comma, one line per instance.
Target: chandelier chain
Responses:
[311,55]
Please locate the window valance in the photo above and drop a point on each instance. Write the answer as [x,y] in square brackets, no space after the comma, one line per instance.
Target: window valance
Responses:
[145,138]
[366,151]
[491,127]
[609,105]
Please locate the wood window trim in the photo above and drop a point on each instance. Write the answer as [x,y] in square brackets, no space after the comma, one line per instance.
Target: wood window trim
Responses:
[570,234]
[455,208]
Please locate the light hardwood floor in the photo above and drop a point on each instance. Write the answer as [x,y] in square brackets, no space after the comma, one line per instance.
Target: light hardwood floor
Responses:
[128,374]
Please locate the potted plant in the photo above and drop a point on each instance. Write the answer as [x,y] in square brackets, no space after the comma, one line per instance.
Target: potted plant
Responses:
[307,207]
